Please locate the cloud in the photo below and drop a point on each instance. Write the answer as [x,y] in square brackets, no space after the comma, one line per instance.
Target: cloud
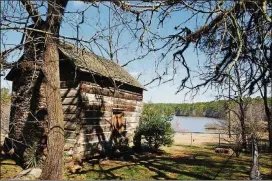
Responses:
[78,4]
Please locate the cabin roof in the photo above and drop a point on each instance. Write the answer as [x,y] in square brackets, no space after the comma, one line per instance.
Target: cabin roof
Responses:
[89,62]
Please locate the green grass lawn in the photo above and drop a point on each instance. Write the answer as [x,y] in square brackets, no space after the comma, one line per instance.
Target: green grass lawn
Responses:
[176,162]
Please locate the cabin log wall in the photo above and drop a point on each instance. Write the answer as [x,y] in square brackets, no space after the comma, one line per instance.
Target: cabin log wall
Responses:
[88,114]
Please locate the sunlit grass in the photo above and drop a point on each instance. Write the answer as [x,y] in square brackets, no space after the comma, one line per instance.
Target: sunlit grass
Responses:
[177,162]
[9,169]
[180,162]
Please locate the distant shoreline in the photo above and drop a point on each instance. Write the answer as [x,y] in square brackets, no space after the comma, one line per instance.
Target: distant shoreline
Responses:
[197,116]
[203,116]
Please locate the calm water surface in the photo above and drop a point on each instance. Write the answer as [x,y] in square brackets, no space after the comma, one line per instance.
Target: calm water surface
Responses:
[192,124]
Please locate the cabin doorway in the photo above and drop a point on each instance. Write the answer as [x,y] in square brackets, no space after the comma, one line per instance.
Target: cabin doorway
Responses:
[118,129]
[118,121]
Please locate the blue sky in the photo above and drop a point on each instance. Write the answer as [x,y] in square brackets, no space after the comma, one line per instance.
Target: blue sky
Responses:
[155,93]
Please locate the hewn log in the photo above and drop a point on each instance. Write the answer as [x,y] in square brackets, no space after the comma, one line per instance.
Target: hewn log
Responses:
[96,121]
[89,130]
[110,107]
[68,93]
[132,124]
[78,125]
[94,113]
[132,119]
[74,120]
[69,116]
[132,114]
[96,89]
[85,139]
[108,103]
[95,98]
[90,114]
[90,138]
[89,149]
[69,108]
[71,125]
[91,84]
[70,101]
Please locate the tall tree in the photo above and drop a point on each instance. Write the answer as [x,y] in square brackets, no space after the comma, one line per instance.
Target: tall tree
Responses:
[232,32]
[42,52]
[37,74]
[235,89]
[242,30]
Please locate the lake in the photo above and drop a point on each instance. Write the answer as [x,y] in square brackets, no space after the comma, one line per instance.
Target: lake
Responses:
[192,124]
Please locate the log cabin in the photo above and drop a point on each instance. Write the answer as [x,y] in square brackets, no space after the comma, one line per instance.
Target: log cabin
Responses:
[102,102]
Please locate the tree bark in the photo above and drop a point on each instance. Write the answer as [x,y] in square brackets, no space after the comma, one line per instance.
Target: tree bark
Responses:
[23,121]
[243,131]
[53,166]
[21,103]
[43,51]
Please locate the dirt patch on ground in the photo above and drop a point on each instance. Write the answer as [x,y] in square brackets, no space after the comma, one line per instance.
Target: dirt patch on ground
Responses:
[200,139]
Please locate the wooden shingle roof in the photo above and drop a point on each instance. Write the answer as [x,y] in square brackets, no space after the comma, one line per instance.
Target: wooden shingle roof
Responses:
[90,62]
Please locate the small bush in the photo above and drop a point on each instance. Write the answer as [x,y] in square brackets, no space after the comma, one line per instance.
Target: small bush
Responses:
[155,128]
[32,156]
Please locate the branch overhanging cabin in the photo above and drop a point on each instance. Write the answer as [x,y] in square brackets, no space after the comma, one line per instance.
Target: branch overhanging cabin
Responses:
[100,100]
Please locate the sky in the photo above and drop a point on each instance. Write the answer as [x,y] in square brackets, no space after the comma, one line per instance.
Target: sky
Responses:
[163,93]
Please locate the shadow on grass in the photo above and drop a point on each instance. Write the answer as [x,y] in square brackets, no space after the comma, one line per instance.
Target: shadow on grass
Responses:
[156,166]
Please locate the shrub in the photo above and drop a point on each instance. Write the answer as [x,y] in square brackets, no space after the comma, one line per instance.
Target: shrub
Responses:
[32,156]
[155,128]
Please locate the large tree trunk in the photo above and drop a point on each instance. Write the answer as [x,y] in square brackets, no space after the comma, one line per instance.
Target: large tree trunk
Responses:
[20,108]
[53,166]
[51,113]
[22,118]
[23,122]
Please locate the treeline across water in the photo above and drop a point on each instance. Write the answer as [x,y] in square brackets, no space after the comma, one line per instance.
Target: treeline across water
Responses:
[215,109]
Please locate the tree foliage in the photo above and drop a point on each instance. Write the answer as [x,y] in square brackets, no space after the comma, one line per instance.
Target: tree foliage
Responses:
[213,109]
[155,128]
